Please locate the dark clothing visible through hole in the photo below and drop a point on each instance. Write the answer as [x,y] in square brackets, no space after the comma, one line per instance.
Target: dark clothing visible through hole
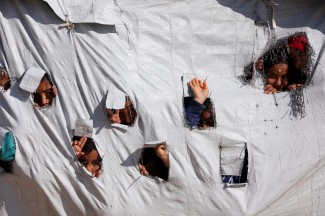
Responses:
[242,178]
[201,115]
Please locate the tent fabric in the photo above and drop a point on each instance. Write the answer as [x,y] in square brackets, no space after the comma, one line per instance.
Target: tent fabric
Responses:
[145,55]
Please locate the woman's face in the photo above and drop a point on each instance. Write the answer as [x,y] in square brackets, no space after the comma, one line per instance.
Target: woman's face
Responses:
[162,153]
[277,76]
[91,163]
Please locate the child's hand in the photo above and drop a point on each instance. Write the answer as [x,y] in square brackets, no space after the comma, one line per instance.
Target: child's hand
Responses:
[200,90]
[143,170]
[114,117]
[268,89]
[78,145]
[294,86]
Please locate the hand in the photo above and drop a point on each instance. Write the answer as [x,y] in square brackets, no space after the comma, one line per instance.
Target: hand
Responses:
[143,170]
[114,117]
[268,89]
[78,145]
[259,64]
[294,86]
[200,90]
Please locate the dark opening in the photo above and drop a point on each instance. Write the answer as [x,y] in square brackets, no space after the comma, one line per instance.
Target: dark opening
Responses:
[198,115]
[155,161]
[125,116]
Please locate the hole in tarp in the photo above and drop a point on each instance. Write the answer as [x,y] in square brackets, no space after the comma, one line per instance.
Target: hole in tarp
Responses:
[5,82]
[125,116]
[286,66]
[199,115]
[154,161]
[45,93]
[234,164]
[87,154]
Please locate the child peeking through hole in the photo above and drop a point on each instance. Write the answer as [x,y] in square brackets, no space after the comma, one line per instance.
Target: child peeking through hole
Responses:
[199,111]
[155,161]
[45,92]
[286,67]
[125,116]
[87,154]
[5,82]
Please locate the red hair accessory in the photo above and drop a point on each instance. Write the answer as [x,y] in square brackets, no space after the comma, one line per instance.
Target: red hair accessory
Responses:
[298,43]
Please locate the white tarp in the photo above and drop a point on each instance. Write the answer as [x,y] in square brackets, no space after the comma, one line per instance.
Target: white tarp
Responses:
[160,42]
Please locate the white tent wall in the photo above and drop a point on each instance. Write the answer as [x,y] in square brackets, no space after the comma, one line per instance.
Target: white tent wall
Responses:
[144,55]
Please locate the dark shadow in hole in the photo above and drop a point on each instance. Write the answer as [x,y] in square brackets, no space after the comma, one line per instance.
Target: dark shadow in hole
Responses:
[290,14]
[155,162]
[203,119]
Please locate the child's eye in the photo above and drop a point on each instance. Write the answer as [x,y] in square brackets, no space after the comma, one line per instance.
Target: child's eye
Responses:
[271,76]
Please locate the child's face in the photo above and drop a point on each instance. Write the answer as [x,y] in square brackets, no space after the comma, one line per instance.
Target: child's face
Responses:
[123,116]
[162,153]
[206,119]
[44,94]
[277,76]
[91,163]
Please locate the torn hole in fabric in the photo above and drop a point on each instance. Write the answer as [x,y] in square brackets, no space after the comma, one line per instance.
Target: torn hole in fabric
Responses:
[85,148]
[5,80]
[234,163]
[197,115]
[120,110]
[154,161]
[7,151]
[286,66]
[40,83]
[90,158]
[198,108]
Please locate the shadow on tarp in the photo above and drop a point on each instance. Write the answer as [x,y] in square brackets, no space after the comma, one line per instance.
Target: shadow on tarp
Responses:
[132,159]
[288,14]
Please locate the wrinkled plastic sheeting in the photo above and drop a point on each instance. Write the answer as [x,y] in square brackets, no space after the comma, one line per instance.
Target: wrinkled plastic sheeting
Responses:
[168,39]
[87,11]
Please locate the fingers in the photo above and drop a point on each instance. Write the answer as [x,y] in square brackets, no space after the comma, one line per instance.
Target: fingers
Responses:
[268,89]
[37,106]
[294,86]
[143,170]
[205,85]
[82,141]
